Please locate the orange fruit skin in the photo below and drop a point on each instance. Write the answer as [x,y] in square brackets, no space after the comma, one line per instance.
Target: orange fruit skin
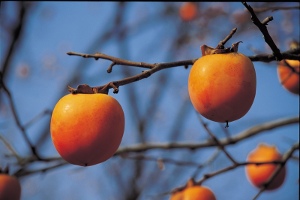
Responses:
[87,129]
[222,87]
[177,196]
[10,188]
[198,193]
[259,174]
[288,79]
[188,11]
[194,193]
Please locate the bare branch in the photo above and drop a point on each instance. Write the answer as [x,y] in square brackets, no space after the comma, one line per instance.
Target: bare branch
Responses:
[262,27]
[280,164]
[153,68]
[123,151]
[291,55]
[233,140]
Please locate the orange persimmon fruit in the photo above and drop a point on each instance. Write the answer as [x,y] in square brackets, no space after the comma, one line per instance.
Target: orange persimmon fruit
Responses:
[192,191]
[87,129]
[258,175]
[222,86]
[10,187]
[188,11]
[289,77]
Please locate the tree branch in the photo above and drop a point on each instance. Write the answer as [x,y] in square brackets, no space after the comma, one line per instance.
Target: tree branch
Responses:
[123,151]
[153,68]
[286,157]
[262,27]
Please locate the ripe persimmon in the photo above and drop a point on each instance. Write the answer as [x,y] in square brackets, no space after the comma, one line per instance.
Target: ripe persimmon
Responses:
[222,86]
[10,187]
[258,175]
[288,77]
[87,129]
[188,11]
[192,191]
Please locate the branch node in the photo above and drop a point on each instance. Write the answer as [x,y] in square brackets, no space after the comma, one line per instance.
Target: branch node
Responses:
[83,89]
[267,20]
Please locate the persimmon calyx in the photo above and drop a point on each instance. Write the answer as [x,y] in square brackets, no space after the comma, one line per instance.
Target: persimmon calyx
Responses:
[207,50]
[82,89]
[190,183]
[86,89]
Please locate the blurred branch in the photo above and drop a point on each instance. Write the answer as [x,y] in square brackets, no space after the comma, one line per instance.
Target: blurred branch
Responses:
[275,8]
[280,164]
[161,161]
[262,27]
[36,118]
[9,147]
[212,158]
[23,172]
[20,126]
[233,140]
[16,34]
[219,144]
[144,147]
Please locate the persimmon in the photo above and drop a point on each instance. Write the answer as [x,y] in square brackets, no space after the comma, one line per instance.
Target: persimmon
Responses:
[258,175]
[87,129]
[222,85]
[289,77]
[10,187]
[288,71]
[188,11]
[192,191]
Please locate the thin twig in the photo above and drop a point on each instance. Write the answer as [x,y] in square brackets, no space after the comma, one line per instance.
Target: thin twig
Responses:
[215,139]
[18,121]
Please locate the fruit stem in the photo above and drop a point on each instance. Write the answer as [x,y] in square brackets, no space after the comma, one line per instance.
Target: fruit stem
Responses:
[223,42]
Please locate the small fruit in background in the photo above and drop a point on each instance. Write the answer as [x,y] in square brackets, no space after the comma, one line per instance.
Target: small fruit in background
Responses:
[258,175]
[188,11]
[192,191]
[87,129]
[222,84]
[10,188]
[288,72]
